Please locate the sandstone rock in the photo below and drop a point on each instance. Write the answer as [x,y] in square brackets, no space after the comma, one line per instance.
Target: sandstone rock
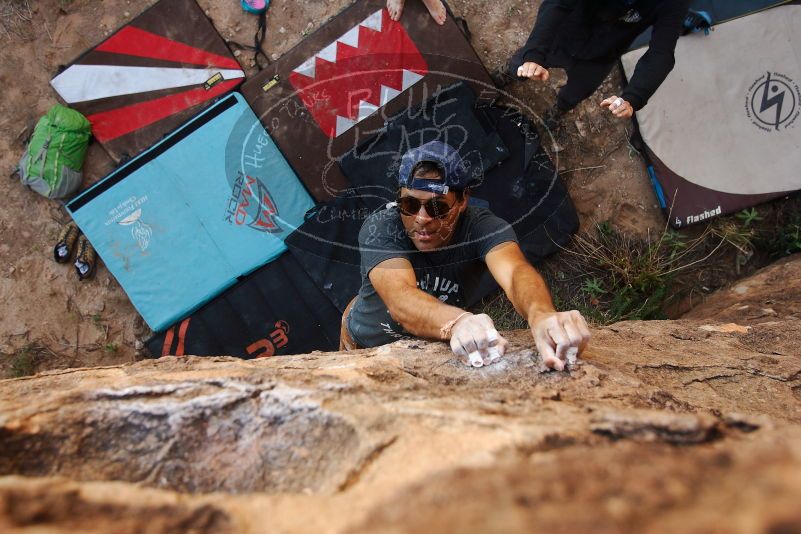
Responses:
[662,421]
[26,504]
[652,425]
[625,487]
[726,328]
[767,295]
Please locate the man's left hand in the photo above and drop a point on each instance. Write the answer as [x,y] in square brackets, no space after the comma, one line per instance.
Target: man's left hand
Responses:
[557,335]
[619,107]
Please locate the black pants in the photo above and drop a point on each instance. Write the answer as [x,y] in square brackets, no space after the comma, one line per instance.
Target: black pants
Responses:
[583,77]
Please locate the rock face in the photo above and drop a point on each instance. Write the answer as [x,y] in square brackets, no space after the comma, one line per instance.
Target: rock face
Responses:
[770,294]
[688,426]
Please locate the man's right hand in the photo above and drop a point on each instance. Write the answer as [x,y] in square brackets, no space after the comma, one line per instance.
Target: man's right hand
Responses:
[558,335]
[533,71]
[475,341]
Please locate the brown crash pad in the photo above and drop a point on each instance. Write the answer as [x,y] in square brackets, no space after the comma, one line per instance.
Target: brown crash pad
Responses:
[149,77]
[334,90]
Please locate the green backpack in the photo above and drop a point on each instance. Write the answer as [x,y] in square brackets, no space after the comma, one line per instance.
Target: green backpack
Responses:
[52,163]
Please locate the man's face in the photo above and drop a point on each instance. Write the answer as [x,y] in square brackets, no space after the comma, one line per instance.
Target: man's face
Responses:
[426,231]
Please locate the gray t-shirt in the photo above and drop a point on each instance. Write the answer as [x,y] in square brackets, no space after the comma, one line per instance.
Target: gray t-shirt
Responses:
[449,273]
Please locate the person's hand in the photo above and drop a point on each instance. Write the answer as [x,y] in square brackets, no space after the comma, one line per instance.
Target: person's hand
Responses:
[533,71]
[619,107]
[476,342]
[559,336]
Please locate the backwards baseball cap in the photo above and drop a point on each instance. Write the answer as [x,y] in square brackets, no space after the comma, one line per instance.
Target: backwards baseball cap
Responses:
[455,173]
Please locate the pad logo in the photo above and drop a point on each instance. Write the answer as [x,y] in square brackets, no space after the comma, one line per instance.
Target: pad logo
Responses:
[773,102]
[440,287]
[707,214]
[251,205]
[264,348]
[129,213]
[272,83]
[214,80]
[632,16]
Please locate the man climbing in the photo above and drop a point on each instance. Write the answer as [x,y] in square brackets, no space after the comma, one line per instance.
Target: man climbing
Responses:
[587,38]
[423,256]
[435,7]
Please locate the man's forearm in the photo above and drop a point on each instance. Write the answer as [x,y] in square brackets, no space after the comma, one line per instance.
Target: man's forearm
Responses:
[421,314]
[529,294]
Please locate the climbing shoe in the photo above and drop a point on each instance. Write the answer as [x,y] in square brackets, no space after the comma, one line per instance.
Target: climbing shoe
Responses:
[62,252]
[86,260]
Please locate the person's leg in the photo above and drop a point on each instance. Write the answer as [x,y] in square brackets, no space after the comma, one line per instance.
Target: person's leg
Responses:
[346,342]
[437,10]
[395,8]
[435,7]
[583,78]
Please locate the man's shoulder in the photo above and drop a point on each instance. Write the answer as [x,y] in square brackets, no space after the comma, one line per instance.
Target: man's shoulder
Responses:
[382,217]
[477,215]
[485,229]
[380,226]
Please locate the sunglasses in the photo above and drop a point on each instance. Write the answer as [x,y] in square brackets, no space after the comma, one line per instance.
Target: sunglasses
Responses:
[435,207]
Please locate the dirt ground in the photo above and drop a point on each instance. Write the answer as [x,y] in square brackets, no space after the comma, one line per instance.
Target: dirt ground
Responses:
[51,320]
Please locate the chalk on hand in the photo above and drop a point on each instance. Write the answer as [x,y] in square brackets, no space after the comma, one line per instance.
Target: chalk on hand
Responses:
[475,359]
[572,355]
[492,335]
[492,338]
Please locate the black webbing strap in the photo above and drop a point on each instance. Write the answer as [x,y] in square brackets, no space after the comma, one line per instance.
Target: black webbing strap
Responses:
[258,41]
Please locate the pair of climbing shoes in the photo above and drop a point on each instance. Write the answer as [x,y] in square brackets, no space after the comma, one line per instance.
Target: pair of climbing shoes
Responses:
[71,240]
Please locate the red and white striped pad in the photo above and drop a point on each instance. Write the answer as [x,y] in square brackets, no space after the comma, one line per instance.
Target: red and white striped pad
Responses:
[165,63]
